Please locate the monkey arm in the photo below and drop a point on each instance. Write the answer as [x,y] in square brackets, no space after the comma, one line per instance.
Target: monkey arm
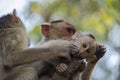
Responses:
[47,51]
[30,55]
[86,75]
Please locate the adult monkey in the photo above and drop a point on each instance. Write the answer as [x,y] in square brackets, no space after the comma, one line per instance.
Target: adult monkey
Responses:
[14,41]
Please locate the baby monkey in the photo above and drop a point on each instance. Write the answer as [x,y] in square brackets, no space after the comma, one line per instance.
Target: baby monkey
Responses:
[87,47]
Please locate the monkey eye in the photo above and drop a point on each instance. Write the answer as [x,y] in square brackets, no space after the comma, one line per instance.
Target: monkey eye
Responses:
[84,45]
[70,30]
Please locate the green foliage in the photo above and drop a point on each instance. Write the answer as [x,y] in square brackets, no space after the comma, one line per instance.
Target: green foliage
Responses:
[35,34]
[94,16]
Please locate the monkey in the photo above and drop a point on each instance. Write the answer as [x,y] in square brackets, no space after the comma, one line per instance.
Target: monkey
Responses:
[91,59]
[87,46]
[16,58]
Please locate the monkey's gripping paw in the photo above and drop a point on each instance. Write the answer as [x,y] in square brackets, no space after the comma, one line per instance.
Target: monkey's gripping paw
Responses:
[82,66]
[74,51]
[101,50]
[63,69]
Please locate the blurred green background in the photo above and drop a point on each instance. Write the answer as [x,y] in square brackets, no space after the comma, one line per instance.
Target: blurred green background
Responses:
[99,17]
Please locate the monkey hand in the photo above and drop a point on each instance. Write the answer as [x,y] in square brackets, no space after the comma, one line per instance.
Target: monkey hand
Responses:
[74,51]
[82,66]
[100,52]
[62,49]
[62,68]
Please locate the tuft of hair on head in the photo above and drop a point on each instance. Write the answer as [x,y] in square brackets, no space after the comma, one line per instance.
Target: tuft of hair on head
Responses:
[14,11]
[91,35]
[56,21]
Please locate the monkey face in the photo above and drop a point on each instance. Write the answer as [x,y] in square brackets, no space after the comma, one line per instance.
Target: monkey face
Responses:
[87,45]
[63,30]
[59,29]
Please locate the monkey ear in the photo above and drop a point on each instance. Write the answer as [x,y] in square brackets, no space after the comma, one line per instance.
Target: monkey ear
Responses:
[45,27]
[14,17]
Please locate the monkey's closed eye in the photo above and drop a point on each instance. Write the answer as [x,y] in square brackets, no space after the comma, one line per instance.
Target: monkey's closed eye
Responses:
[70,30]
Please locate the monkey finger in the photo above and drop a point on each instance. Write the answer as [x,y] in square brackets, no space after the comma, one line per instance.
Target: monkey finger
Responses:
[103,51]
[74,46]
[102,48]
[100,45]
[59,69]
[64,69]
[74,52]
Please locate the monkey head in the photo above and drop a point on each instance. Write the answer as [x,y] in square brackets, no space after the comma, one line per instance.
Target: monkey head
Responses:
[58,29]
[11,21]
[86,44]
[12,25]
